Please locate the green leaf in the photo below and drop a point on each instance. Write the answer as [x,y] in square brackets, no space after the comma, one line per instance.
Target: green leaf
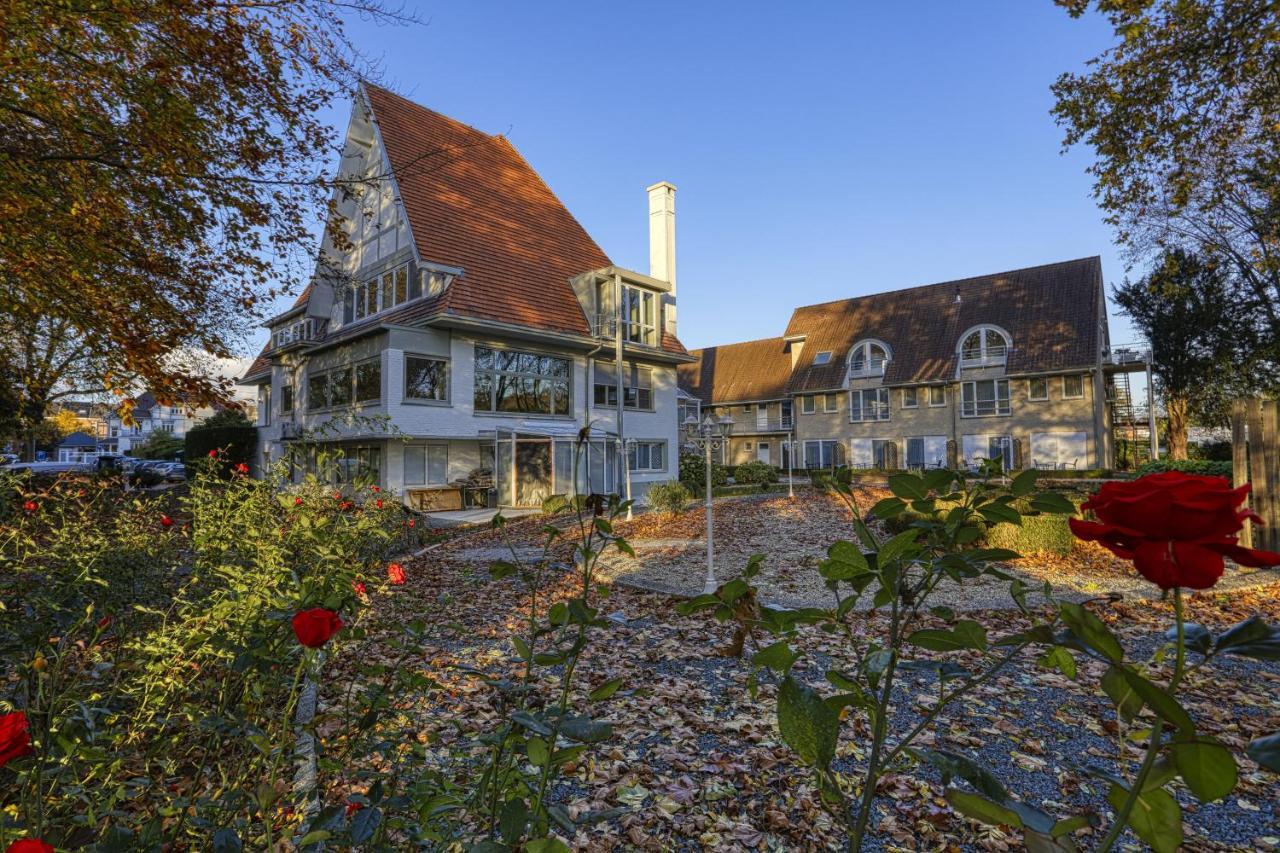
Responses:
[513,819]
[1252,638]
[908,487]
[534,724]
[226,840]
[700,602]
[546,845]
[1207,767]
[584,729]
[313,837]
[733,590]
[1091,631]
[500,569]
[1060,659]
[888,508]
[900,546]
[778,657]
[1000,514]
[1266,751]
[1024,483]
[807,724]
[1159,701]
[604,691]
[536,748]
[981,809]
[1127,702]
[952,764]
[522,648]
[364,824]
[1155,819]
[967,634]
[847,552]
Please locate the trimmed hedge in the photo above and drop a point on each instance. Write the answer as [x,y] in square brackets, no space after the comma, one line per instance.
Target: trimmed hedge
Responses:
[669,498]
[693,470]
[755,472]
[234,443]
[1210,467]
[1037,533]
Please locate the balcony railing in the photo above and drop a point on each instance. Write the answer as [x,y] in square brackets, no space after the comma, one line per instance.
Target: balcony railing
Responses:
[769,425]
[605,326]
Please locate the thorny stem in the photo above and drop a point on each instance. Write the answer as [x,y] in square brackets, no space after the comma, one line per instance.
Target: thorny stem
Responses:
[1154,744]
[880,731]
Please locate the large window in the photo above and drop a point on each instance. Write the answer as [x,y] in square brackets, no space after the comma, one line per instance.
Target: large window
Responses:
[514,381]
[639,316]
[937,395]
[341,386]
[1058,450]
[426,378]
[910,398]
[824,453]
[927,451]
[317,390]
[881,453]
[637,386]
[380,293]
[985,398]
[984,346]
[831,403]
[647,456]
[868,358]
[977,449]
[369,381]
[869,405]
[346,465]
[426,464]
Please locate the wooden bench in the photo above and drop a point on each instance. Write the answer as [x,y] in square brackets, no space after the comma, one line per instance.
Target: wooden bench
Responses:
[437,499]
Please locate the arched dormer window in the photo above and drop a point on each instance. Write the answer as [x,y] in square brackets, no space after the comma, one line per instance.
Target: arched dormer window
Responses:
[984,346]
[868,358]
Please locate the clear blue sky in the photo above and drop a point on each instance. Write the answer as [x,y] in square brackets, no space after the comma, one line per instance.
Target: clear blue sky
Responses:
[830,152]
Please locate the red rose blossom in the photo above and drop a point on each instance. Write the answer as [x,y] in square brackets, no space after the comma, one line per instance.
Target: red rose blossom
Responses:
[358,588]
[241,468]
[29,845]
[15,738]
[378,503]
[314,627]
[375,488]
[1175,527]
[213,454]
[31,506]
[165,521]
[297,501]
[412,522]
[352,808]
[395,573]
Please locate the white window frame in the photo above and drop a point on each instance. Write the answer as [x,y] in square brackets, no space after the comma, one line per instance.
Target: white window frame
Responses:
[1065,395]
[830,403]
[1031,395]
[943,389]
[878,407]
[804,450]
[633,456]
[634,379]
[990,354]
[427,450]
[821,358]
[808,404]
[915,396]
[870,365]
[972,411]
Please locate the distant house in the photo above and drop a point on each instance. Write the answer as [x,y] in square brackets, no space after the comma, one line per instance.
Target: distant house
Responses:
[75,447]
[149,417]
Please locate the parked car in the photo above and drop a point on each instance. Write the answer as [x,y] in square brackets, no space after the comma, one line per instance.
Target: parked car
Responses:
[7,459]
[175,471]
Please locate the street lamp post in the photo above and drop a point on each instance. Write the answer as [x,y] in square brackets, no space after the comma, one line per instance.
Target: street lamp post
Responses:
[711,434]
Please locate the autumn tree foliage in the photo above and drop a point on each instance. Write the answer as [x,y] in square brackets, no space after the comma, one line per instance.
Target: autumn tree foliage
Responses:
[159,170]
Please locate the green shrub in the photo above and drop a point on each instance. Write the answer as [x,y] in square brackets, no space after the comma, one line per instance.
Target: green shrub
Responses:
[1037,533]
[669,498]
[756,472]
[693,470]
[235,444]
[1211,467]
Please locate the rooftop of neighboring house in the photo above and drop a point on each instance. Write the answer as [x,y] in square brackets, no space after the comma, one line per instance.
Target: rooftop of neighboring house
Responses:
[1051,313]
[78,439]
[475,204]
[738,373]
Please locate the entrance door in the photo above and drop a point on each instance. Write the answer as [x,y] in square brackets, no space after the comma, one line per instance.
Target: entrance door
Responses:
[762,452]
[533,472]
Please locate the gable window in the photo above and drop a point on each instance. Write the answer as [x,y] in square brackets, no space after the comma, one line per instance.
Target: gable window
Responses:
[647,456]
[517,381]
[831,403]
[985,398]
[426,378]
[426,465]
[910,398]
[822,357]
[1072,387]
[868,358]
[985,346]
[871,404]
[637,386]
[1038,389]
[380,293]
[937,395]
[807,405]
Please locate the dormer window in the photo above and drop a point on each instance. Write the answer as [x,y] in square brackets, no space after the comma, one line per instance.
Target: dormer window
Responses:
[639,316]
[822,358]
[985,346]
[383,292]
[300,330]
[868,358]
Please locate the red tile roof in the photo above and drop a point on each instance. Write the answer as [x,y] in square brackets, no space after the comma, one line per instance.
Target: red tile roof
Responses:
[473,202]
[736,373]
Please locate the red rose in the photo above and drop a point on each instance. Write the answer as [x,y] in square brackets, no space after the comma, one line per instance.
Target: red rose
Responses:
[1175,527]
[166,521]
[395,573]
[411,522]
[297,501]
[375,488]
[314,627]
[29,845]
[105,622]
[15,740]
[241,468]
[358,588]
[31,506]
[378,503]
[352,808]
[213,454]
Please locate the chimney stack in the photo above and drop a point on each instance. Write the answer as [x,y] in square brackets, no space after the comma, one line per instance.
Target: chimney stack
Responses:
[662,243]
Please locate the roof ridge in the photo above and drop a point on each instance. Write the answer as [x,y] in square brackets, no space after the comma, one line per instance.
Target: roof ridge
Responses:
[462,125]
[953,281]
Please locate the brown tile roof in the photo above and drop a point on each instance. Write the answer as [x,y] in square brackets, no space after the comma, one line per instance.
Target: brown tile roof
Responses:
[1051,312]
[473,202]
[735,373]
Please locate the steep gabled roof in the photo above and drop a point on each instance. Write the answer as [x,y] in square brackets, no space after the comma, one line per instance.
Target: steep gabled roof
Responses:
[1052,313]
[736,373]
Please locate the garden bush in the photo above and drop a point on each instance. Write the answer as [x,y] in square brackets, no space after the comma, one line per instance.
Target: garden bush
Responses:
[669,498]
[236,444]
[1048,532]
[693,473]
[1210,467]
[760,473]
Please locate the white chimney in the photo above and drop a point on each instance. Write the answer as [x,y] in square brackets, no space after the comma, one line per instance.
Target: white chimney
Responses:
[662,243]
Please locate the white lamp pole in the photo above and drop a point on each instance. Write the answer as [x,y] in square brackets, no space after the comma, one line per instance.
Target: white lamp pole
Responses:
[711,434]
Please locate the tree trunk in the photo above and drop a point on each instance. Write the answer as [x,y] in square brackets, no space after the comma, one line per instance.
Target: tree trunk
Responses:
[1176,407]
